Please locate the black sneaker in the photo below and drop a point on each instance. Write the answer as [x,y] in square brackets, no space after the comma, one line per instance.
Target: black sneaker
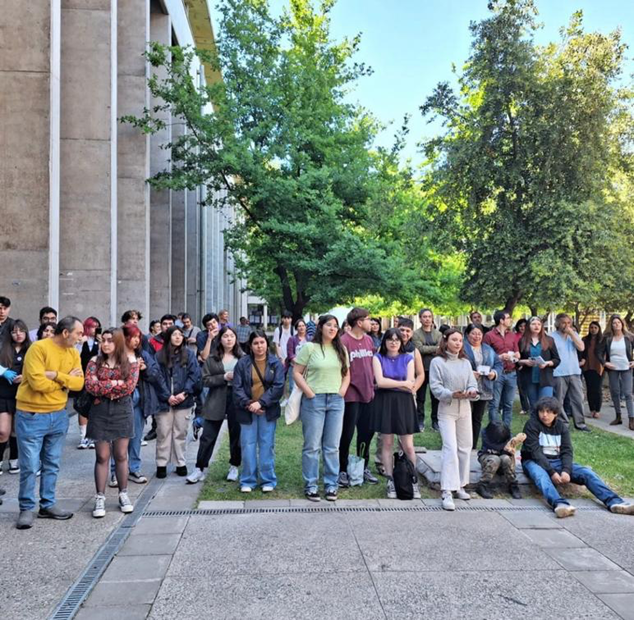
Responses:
[331,495]
[137,477]
[514,490]
[161,472]
[435,427]
[151,436]
[312,497]
[181,470]
[343,480]
[484,491]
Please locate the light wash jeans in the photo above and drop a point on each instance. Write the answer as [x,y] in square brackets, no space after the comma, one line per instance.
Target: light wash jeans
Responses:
[40,440]
[503,396]
[580,475]
[322,421]
[259,436]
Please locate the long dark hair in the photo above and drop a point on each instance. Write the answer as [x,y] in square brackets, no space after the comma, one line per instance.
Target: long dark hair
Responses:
[525,340]
[120,354]
[378,322]
[442,344]
[7,348]
[257,333]
[336,341]
[169,352]
[388,335]
[218,349]
[599,337]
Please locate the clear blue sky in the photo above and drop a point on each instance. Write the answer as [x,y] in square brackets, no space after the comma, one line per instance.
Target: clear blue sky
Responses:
[412,44]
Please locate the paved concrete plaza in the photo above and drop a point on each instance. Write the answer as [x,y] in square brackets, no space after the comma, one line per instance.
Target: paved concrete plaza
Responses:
[287,559]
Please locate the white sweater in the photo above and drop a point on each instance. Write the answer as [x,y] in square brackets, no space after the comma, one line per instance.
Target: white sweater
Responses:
[447,376]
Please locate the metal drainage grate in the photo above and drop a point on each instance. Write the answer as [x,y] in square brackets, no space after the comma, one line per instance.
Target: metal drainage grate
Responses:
[209,512]
[79,591]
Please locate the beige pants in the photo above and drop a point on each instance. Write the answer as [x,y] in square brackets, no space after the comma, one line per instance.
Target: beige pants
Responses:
[457,438]
[171,435]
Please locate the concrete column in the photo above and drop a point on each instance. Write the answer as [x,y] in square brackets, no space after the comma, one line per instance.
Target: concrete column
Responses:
[179,238]
[28,72]
[160,201]
[88,203]
[193,250]
[133,161]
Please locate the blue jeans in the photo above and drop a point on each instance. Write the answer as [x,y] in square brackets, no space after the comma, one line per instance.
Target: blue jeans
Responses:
[134,446]
[40,441]
[503,396]
[322,421]
[580,475]
[535,392]
[254,437]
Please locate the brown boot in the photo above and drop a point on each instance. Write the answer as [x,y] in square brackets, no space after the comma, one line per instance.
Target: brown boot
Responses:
[616,421]
[632,424]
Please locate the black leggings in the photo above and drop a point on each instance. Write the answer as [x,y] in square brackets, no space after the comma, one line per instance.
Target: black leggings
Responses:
[420,402]
[594,382]
[211,428]
[13,448]
[364,433]
[477,413]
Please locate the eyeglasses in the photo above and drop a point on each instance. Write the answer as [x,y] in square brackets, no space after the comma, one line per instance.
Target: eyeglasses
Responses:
[393,340]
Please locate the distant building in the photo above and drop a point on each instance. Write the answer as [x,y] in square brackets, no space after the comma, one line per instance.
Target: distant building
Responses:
[81,229]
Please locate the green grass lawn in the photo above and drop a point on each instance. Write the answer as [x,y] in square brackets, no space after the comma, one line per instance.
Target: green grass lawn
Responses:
[611,456]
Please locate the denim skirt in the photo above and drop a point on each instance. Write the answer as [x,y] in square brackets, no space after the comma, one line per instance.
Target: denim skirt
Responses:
[111,419]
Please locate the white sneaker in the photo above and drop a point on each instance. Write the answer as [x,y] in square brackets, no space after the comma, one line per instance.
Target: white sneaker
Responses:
[267,488]
[100,506]
[565,510]
[447,501]
[91,444]
[462,494]
[245,489]
[196,476]
[622,509]
[143,442]
[416,489]
[391,490]
[232,476]
[84,444]
[125,505]
[14,466]
[112,483]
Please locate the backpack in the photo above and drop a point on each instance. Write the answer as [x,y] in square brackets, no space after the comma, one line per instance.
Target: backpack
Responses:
[404,476]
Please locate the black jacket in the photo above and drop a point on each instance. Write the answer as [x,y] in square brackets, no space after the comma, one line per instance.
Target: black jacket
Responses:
[181,378]
[274,379]
[215,405]
[603,350]
[555,440]
[151,386]
[546,379]
[8,390]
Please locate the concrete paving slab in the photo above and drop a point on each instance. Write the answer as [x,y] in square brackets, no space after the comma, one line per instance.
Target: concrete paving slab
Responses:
[132,612]
[399,503]
[581,559]
[267,503]
[606,581]
[159,525]
[136,568]
[264,596]
[150,544]
[228,544]
[528,501]
[490,539]
[531,520]
[487,594]
[220,505]
[610,534]
[622,604]
[358,503]
[122,594]
[554,539]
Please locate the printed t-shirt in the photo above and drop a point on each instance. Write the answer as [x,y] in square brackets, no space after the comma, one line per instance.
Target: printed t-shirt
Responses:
[360,353]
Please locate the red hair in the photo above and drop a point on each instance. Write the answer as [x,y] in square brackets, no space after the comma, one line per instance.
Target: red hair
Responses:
[130,330]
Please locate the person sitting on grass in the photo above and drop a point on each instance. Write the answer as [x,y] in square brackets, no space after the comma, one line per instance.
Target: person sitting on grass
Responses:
[547,461]
[498,453]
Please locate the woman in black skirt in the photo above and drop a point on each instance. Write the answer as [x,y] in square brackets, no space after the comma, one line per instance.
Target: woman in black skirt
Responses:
[111,377]
[393,410]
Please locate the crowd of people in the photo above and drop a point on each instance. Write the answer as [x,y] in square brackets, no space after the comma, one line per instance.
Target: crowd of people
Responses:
[349,378]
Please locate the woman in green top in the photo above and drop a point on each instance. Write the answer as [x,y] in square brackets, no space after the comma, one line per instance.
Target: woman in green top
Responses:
[321,372]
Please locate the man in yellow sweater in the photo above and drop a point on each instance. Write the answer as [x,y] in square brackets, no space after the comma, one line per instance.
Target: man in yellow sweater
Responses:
[52,367]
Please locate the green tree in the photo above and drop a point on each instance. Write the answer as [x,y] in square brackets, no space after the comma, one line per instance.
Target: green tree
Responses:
[277,139]
[533,139]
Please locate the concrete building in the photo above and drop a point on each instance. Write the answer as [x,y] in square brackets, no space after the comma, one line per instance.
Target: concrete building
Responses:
[81,229]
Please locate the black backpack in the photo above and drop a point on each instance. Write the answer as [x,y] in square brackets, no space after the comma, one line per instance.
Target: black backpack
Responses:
[404,476]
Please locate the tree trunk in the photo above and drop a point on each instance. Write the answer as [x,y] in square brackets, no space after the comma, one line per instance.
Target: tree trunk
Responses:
[511,302]
[534,311]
